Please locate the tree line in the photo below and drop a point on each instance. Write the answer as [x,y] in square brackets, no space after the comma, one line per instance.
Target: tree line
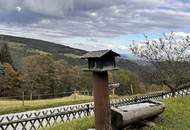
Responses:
[43,74]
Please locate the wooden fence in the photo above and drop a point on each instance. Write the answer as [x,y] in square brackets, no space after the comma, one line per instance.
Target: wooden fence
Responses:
[24,96]
[45,118]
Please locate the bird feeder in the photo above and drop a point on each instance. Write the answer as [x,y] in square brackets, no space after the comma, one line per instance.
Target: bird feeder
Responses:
[100,62]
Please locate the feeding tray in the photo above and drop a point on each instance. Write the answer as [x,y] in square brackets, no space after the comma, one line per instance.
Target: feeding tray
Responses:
[125,115]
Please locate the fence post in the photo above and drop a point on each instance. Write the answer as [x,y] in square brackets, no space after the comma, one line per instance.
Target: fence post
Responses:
[162,95]
[131,87]
[23,98]
[31,96]
[39,96]
[113,91]
[75,94]
[136,99]
[88,109]
[88,93]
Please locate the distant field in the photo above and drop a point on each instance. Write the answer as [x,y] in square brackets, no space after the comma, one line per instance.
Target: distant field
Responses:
[70,55]
[12,106]
[175,117]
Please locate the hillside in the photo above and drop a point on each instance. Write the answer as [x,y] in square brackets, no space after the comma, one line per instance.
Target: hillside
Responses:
[21,47]
[53,48]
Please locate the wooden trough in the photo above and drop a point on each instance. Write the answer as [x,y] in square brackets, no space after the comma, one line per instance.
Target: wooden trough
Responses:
[125,115]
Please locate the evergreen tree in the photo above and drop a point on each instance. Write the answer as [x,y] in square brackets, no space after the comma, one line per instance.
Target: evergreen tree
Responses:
[5,56]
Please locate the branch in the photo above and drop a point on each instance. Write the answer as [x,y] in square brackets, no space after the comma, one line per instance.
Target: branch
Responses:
[167,84]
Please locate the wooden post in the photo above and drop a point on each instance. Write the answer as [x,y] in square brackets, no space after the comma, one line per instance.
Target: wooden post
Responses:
[113,91]
[131,86]
[75,94]
[31,96]
[23,98]
[101,101]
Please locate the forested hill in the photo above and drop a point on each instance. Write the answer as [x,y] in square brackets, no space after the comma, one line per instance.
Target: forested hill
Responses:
[42,45]
[36,67]
[21,47]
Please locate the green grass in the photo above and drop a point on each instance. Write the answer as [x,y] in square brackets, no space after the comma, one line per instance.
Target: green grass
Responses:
[12,106]
[16,45]
[175,117]
[70,55]
[81,124]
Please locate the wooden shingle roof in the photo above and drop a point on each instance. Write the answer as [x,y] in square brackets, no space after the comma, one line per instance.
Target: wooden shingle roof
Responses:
[98,54]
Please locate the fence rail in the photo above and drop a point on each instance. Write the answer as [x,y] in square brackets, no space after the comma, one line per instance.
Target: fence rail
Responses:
[44,96]
[45,118]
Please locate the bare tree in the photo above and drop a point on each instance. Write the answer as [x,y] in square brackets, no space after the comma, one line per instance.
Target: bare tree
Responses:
[170,58]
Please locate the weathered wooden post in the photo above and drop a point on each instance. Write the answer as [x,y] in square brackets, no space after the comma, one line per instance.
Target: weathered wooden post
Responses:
[23,98]
[100,62]
[132,92]
[113,87]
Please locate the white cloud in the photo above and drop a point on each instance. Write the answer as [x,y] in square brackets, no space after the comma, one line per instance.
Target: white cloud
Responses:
[57,19]
[181,34]
[49,7]
[9,5]
[104,17]
[18,8]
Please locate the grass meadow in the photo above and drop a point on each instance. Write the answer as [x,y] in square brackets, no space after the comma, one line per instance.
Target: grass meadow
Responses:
[13,106]
[175,117]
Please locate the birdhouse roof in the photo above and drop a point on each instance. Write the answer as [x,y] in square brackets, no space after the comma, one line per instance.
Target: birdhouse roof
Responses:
[99,54]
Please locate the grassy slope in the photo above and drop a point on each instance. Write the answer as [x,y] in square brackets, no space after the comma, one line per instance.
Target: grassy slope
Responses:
[70,55]
[21,47]
[42,45]
[12,106]
[175,117]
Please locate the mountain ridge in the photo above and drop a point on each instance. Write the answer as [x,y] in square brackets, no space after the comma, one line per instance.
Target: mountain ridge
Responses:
[42,44]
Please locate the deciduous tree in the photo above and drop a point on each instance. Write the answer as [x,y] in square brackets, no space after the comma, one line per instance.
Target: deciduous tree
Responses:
[169,58]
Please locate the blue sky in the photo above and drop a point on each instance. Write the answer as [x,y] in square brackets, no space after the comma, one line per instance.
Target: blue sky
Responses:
[94,24]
